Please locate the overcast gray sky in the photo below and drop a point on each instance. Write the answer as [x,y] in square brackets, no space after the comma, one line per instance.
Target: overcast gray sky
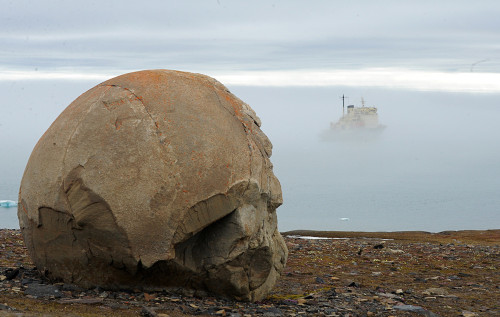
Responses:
[224,37]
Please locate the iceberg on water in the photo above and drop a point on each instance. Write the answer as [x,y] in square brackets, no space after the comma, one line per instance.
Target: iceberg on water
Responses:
[8,203]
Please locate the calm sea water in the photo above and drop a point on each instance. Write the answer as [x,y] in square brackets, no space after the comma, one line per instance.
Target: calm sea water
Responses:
[435,167]
[9,187]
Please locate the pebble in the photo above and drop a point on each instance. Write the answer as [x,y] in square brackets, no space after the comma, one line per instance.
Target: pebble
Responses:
[396,251]
[435,291]
[467,313]
[415,309]
[148,312]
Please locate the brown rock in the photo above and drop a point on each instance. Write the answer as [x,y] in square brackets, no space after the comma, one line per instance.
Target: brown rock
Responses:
[155,179]
[435,291]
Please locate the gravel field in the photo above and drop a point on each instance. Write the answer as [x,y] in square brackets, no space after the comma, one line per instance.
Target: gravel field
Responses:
[327,274]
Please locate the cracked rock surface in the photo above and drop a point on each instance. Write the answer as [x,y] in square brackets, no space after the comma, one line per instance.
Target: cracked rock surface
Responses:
[155,179]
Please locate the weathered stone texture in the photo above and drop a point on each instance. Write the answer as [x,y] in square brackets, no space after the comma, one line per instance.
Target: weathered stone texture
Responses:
[155,179]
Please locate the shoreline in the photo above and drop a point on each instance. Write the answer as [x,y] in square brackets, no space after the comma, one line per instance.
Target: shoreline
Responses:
[490,236]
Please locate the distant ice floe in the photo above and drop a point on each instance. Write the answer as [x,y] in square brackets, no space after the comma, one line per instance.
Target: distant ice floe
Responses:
[8,203]
[344,219]
[325,238]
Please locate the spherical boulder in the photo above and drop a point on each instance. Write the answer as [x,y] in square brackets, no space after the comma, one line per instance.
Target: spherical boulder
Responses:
[155,180]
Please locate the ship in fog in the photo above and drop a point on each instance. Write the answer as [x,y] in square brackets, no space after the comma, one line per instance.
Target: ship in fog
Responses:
[357,123]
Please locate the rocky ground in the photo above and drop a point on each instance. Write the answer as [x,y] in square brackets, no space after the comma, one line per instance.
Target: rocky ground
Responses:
[343,274]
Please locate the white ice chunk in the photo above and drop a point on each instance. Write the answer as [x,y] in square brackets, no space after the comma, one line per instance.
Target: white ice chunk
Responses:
[8,203]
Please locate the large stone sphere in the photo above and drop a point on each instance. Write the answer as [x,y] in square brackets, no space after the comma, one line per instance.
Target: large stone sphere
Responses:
[156,180]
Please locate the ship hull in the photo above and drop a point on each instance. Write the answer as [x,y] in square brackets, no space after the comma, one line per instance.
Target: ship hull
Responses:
[352,134]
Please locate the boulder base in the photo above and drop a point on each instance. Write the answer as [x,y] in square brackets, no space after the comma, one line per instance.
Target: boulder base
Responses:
[155,180]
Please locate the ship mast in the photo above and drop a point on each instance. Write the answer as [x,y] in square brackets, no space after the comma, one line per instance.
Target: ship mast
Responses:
[343,104]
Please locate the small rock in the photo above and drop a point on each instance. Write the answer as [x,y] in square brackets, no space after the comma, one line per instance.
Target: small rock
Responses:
[464,274]
[415,309]
[396,251]
[389,295]
[149,297]
[331,293]
[11,274]
[435,291]
[148,312]
[330,311]
[411,308]
[26,281]
[5,307]
[72,288]
[42,290]
[104,295]
[319,280]
[378,246]
[467,313]
[272,313]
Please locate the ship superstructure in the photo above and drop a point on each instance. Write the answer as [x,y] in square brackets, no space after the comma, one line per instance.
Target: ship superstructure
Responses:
[357,118]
